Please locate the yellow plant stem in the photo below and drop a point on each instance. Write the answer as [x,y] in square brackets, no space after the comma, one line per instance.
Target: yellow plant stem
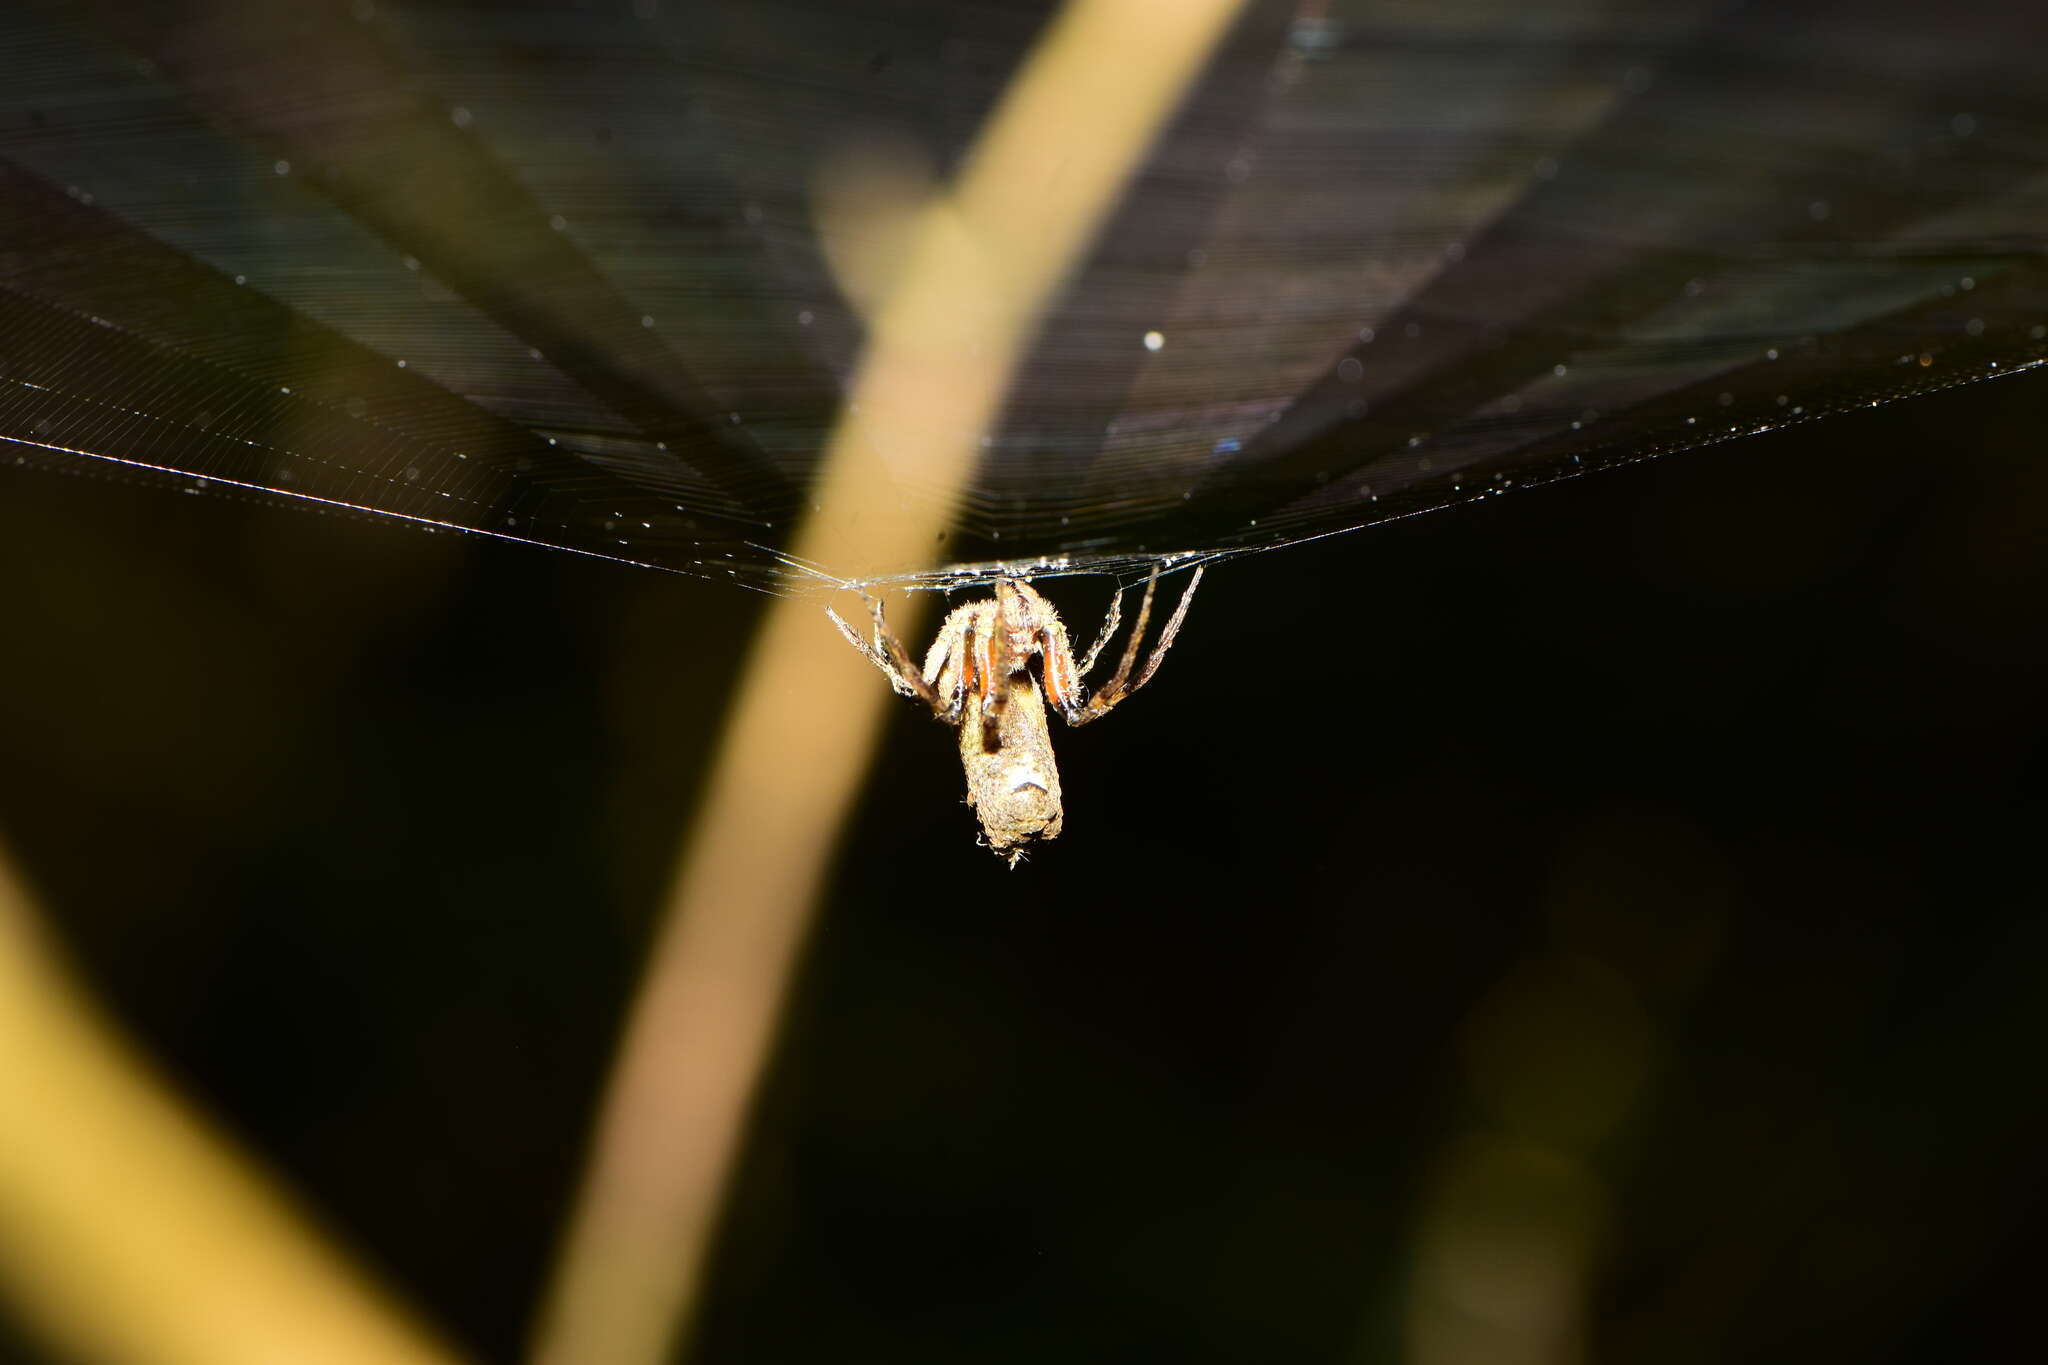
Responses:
[131,1233]
[983,261]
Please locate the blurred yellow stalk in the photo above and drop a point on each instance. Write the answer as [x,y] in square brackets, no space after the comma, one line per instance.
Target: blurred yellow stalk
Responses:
[130,1232]
[946,334]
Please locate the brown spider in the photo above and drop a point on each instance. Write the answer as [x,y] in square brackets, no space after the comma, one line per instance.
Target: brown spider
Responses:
[977,677]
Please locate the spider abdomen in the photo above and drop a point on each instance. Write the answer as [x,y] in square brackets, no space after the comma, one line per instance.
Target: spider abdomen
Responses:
[1012,782]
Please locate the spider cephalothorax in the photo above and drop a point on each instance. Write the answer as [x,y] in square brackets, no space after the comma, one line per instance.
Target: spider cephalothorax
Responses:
[978,676]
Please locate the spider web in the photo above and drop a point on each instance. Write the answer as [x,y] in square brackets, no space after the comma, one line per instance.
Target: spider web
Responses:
[560,277]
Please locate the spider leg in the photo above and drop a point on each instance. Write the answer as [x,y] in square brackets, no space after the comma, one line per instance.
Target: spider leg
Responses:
[1111,692]
[993,665]
[914,680]
[1109,625]
[1056,667]
[981,700]
[886,652]
[1120,685]
[867,650]
[946,655]
[1180,614]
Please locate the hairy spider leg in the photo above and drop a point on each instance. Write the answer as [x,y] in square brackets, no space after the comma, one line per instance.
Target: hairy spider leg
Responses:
[912,683]
[944,673]
[1119,685]
[1047,637]
[1056,658]
[872,653]
[1112,691]
[887,653]
[1005,651]
[948,664]
[1180,614]
[1102,637]
[984,677]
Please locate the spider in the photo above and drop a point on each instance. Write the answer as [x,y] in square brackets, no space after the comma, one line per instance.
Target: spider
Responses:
[977,677]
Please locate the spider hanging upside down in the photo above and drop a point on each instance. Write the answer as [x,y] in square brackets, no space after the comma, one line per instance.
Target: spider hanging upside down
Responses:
[977,676]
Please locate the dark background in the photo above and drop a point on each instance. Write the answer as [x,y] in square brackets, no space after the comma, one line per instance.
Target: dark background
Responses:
[361,828]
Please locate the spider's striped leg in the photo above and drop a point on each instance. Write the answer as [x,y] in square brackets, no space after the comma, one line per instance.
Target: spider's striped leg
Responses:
[1180,614]
[942,675]
[983,691]
[867,651]
[886,652]
[1112,691]
[1120,684]
[1102,637]
[1056,663]
[915,683]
